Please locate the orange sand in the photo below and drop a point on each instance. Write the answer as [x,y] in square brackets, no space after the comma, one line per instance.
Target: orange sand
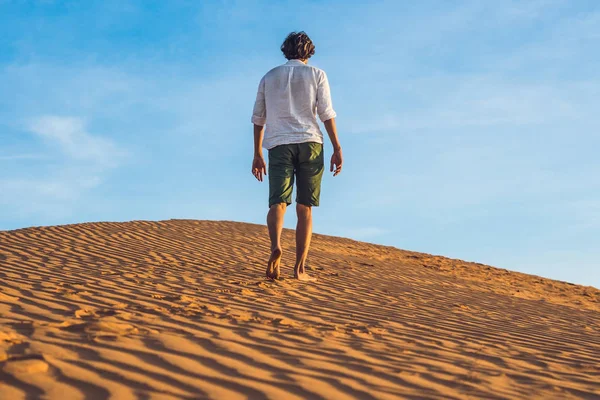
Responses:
[180,309]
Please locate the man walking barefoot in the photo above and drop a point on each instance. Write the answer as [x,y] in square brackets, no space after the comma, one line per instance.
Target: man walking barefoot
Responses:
[289,99]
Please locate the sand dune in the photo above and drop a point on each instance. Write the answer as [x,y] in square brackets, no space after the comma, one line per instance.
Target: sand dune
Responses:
[180,309]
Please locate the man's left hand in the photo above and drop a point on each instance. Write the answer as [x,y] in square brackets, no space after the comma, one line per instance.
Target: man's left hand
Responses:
[259,168]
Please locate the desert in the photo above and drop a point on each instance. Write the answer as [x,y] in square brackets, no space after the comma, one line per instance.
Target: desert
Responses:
[180,309]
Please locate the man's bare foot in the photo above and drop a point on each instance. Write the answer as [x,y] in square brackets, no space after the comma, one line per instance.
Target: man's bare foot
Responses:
[305,277]
[301,275]
[273,271]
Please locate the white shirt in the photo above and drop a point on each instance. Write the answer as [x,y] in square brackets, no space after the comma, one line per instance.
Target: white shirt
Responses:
[288,101]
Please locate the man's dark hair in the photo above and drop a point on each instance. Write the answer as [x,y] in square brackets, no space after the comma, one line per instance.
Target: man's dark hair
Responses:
[297,46]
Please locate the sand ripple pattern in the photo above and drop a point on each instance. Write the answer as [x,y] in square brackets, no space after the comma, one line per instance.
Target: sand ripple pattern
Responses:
[179,309]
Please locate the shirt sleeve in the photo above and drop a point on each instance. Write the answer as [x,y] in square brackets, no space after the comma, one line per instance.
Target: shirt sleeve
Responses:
[324,106]
[259,114]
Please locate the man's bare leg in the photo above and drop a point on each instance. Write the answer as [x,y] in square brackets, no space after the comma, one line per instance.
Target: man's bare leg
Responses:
[303,235]
[275,225]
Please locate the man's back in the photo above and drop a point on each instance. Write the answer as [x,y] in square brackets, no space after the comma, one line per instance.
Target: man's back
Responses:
[289,99]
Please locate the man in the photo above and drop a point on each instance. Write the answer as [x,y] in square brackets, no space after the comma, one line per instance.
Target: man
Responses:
[289,99]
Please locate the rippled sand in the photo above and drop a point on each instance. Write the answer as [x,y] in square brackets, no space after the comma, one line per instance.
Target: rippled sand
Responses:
[180,309]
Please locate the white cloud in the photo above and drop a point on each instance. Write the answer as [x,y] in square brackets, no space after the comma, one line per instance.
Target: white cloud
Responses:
[484,101]
[531,9]
[48,199]
[19,190]
[75,162]
[72,138]
[14,157]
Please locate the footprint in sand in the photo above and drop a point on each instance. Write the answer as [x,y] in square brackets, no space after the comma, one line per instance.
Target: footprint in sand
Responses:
[246,292]
[91,313]
[98,328]
[30,364]
[173,298]
[212,308]
[11,338]
[238,282]
[285,322]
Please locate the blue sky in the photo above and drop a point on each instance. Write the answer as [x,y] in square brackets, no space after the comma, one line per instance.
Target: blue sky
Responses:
[470,129]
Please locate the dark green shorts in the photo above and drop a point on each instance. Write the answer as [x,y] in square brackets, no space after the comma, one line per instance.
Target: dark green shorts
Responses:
[303,161]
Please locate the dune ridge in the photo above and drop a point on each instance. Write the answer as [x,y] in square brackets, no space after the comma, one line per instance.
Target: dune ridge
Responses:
[180,309]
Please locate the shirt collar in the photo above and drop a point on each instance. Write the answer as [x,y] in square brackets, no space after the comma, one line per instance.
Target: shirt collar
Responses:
[294,62]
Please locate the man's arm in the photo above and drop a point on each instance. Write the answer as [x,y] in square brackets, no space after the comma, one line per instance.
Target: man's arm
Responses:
[259,119]
[258,163]
[336,158]
[327,116]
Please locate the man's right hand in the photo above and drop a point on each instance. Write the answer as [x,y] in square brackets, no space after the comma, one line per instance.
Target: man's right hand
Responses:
[259,168]
[336,162]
